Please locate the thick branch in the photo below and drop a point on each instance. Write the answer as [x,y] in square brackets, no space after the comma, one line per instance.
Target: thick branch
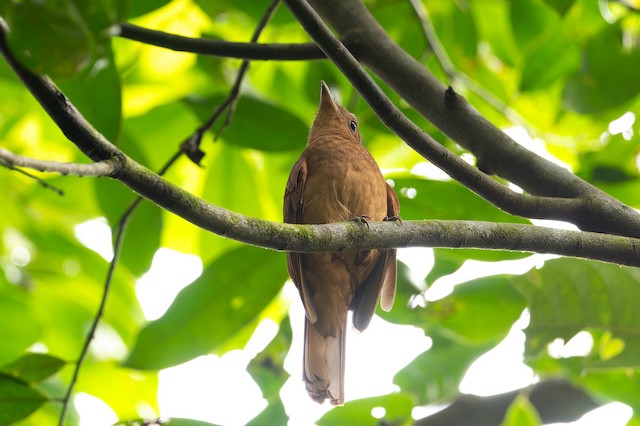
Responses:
[555,401]
[496,151]
[100,168]
[259,51]
[313,238]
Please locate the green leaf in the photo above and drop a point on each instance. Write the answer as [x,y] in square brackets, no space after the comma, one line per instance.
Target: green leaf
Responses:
[142,239]
[478,311]
[435,375]
[521,413]
[396,408]
[96,93]
[608,76]
[530,19]
[33,367]
[231,292]
[169,422]
[446,262]
[59,37]
[17,399]
[549,61]
[492,21]
[257,124]
[138,8]
[561,6]
[267,369]
[18,327]
[568,295]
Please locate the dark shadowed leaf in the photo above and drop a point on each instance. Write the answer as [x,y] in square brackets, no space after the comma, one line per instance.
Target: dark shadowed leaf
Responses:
[230,293]
[33,367]
[17,399]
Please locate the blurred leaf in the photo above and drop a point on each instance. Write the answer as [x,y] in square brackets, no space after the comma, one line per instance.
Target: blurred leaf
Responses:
[435,375]
[231,292]
[267,369]
[137,8]
[530,20]
[163,422]
[478,311]
[142,237]
[561,6]
[118,387]
[548,61]
[521,413]
[608,74]
[32,367]
[18,327]
[17,399]
[59,37]
[396,411]
[492,21]
[256,124]
[446,262]
[566,296]
[96,93]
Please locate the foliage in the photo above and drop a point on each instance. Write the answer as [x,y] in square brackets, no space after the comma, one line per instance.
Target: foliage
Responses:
[566,69]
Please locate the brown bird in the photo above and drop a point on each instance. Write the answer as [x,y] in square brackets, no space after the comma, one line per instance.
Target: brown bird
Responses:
[334,180]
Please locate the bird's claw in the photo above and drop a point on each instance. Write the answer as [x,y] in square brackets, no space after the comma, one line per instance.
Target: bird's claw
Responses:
[393,219]
[363,220]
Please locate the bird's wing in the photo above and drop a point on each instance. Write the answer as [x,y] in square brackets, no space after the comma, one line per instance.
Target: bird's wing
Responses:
[381,282]
[293,203]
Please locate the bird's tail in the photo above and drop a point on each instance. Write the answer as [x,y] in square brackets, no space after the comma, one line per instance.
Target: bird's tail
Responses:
[324,364]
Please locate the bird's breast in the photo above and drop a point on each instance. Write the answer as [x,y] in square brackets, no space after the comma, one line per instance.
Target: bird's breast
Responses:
[343,182]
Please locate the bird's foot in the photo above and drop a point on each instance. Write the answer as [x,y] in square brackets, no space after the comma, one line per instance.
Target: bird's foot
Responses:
[363,220]
[393,219]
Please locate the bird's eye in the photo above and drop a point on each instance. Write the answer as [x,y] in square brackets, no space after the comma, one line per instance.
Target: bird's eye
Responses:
[353,125]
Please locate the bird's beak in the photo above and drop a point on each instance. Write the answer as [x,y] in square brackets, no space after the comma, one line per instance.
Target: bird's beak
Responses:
[325,97]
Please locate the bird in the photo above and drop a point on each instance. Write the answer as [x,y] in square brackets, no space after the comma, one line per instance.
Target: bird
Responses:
[335,180]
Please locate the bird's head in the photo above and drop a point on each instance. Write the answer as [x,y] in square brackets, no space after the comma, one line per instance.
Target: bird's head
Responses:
[332,120]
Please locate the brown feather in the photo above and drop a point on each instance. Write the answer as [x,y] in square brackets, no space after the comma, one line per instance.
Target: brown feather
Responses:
[334,180]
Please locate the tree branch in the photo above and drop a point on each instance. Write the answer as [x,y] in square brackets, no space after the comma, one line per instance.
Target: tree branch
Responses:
[100,168]
[315,238]
[587,206]
[42,182]
[555,400]
[255,51]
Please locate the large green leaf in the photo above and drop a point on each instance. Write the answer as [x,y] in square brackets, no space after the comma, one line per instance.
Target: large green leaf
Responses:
[18,327]
[608,76]
[396,411]
[59,37]
[530,19]
[17,399]
[96,94]
[32,367]
[435,375]
[568,295]
[257,124]
[230,293]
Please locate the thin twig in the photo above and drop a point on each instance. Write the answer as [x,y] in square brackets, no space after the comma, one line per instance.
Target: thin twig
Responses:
[99,168]
[192,144]
[42,182]
[117,246]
